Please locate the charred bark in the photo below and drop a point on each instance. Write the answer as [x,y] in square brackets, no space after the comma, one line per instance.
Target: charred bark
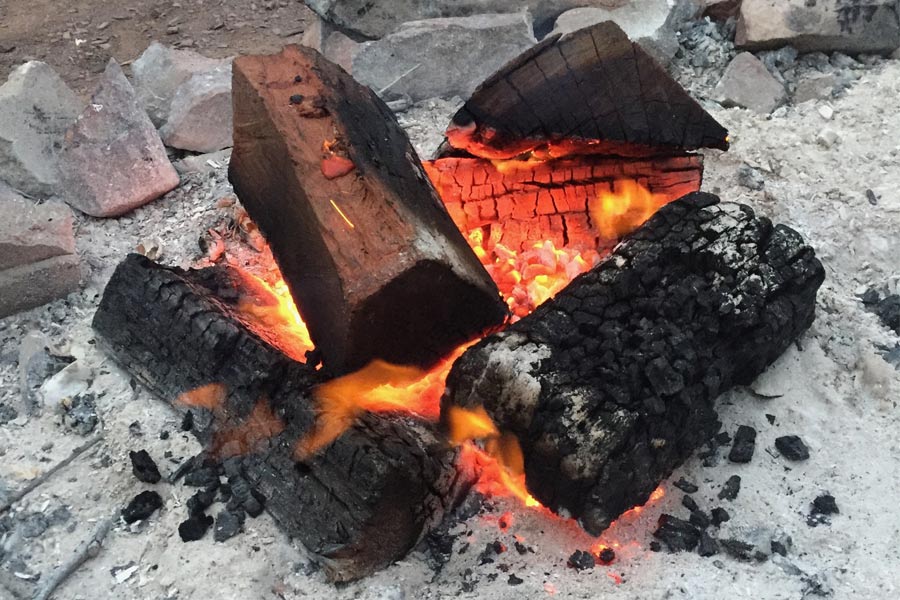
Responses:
[611,385]
[360,503]
[593,84]
[376,265]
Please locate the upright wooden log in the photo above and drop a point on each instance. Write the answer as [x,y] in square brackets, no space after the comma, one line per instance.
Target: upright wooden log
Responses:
[377,267]
[611,385]
[358,504]
[593,85]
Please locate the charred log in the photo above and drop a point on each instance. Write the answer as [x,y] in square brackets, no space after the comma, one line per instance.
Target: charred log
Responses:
[360,503]
[611,385]
[375,263]
[591,91]
[530,201]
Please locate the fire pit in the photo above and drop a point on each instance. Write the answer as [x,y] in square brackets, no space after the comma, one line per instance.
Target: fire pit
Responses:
[613,301]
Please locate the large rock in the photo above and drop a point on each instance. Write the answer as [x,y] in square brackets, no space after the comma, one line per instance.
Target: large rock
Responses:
[159,72]
[31,232]
[650,23]
[200,113]
[34,284]
[442,57]
[113,160]
[36,107]
[748,84]
[822,25]
[377,18]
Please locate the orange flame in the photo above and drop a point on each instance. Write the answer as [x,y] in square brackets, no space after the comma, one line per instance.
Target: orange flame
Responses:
[623,209]
[271,307]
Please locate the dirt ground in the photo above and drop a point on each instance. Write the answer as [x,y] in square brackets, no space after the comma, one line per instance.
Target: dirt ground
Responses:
[78,37]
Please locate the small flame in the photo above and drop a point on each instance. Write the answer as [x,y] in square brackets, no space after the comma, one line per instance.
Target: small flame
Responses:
[624,209]
[469,424]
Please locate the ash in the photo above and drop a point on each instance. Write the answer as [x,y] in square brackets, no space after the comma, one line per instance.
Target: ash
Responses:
[837,390]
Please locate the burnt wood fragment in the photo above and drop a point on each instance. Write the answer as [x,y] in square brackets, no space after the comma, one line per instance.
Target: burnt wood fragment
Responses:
[593,84]
[360,503]
[376,265]
[611,385]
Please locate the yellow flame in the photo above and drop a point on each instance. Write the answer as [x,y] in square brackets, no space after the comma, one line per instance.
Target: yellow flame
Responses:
[620,211]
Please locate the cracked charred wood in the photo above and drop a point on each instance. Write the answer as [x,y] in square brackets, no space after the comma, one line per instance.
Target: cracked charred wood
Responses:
[611,385]
[376,265]
[360,503]
[593,91]
[551,199]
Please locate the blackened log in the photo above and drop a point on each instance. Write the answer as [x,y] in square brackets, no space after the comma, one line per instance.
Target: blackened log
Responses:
[593,84]
[611,385]
[534,201]
[376,265]
[360,503]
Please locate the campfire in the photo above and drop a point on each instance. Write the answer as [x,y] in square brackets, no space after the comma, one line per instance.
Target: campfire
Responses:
[548,309]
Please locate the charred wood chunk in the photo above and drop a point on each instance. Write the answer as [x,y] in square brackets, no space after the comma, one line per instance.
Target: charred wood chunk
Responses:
[358,505]
[611,385]
[376,265]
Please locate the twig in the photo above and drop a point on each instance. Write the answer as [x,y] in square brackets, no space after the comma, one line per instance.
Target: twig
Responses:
[88,550]
[31,485]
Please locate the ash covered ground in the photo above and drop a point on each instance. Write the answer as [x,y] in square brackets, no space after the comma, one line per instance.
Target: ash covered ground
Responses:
[826,167]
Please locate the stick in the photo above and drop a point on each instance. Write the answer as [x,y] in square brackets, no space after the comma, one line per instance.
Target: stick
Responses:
[88,550]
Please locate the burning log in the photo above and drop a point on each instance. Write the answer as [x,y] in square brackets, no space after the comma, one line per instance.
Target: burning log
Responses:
[375,263]
[360,503]
[611,385]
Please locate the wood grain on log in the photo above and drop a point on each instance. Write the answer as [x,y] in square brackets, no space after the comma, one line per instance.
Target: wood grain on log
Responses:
[360,503]
[375,263]
[593,84]
[549,200]
[611,385]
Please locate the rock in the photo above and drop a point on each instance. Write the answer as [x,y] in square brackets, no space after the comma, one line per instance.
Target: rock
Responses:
[31,285]
[228,525]
[721,10]
[37,364]
[80,413]
[31,232]
[116,133]
[142,506]
[750,178]
[826,112]
[581,560]
[743,446]
[203,163]
[677,534]
[852,26]
[194,528]
[748,84]
[159,72]
[36,108]
[816,87]
[143,467]
[442,57]
[200,117]
[827,138]
[708,545]
[647,22]
[792,447]
[731,488]
[719,516]
[340,49]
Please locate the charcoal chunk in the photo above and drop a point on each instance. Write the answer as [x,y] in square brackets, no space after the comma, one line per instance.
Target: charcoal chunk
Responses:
[731,488]
[204,477]
[187,421]
[700,519]
[825,505]
[581,560]
[513,580]
[708,545]
[143,467]
[743,446]
[228,525]
[737,549]
[689,503]
[607,555]
[686,486]
[781,546]
[677,534]
[719,516]
[142,506]
[194,528]
[792,447]
[200,501]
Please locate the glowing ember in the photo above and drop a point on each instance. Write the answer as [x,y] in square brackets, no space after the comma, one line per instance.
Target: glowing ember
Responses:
[624,209]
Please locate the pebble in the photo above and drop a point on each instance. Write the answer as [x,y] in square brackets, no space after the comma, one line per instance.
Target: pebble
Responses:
[827,138]
[826,112]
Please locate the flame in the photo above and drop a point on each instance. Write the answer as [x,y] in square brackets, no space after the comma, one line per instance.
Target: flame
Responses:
[271,307]
[623,209]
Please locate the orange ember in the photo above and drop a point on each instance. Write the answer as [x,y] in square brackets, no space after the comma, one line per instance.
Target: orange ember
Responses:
[623,209]
[271,309]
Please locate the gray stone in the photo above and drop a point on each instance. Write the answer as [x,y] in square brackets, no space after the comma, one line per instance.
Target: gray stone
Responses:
[721,10]
[650,23]
[334,45]
[159,72]
[203,163]
[36,107]
[748,84]
[442,57]
[113,160]
[34,284]
[30,232]
[848,25]
[200,114]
